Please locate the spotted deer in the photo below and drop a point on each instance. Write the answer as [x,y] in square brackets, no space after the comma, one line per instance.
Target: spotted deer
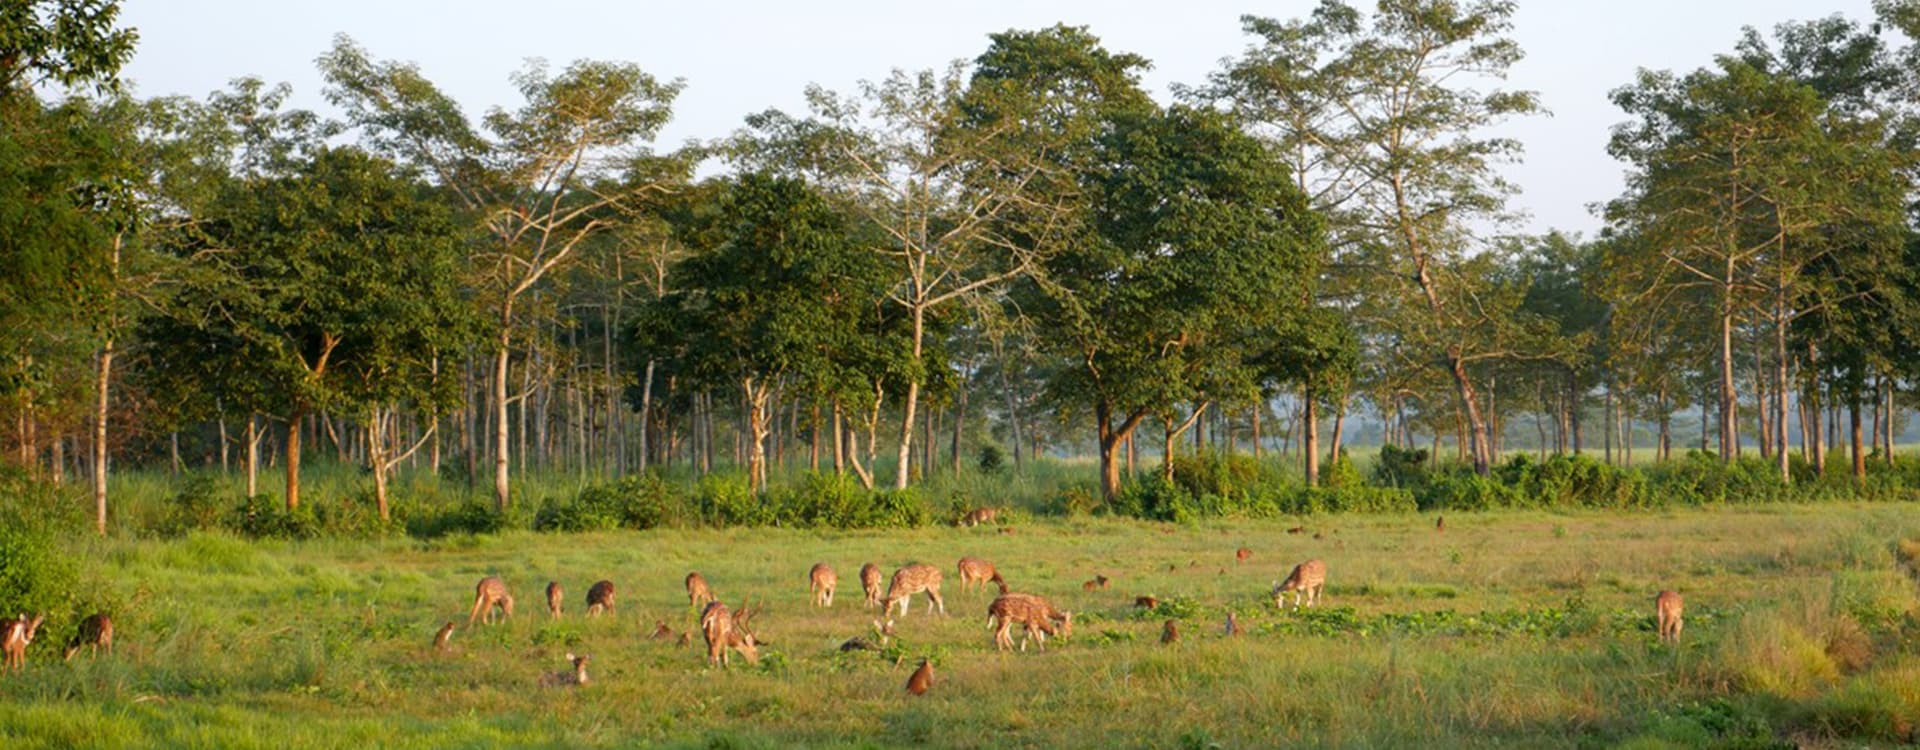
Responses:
[698,594]
[555,597]
[568,678]
[1666,609]
[491,593]
[1307,578]
[599,598]
[979,516]
[728,630]
[870,582]
[821,581]
[910,580]
[975,573]
[1038,617]
[96,632]
[15,635]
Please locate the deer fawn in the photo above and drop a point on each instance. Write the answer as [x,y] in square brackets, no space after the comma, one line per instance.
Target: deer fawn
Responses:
[728,630]
[1307,578]
[660,631]
[1242,555]
[975,573]
[441,638]
[1170,633]
[870,582]
[574,678]
[599,598]
[821,581]
[1667,607]
[922,678]
[96,631]
[1099,582]
[555,596]
[1037,616]
[490,593]
[910,580]
[698,594]
[17,634]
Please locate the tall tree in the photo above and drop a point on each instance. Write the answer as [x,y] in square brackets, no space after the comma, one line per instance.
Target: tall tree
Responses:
[540,187]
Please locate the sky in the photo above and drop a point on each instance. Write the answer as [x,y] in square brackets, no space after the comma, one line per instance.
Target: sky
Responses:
[743,56]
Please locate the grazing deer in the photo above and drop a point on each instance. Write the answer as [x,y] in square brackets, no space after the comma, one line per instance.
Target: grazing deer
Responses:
[1146,602]
[1037,616]
[490,593]
[1242,555]
[1099,582]
[698,594]
[922,678]
[1666,608]
[870,582]
[884,629]
[15,635]
[728,630]
[1170,633]
[821,580]
[1307,578]
[442,638]
[975,573]
[600,598]
[910,580]
[95,631]
[555,596]
[1440,523]
[979,516]
[574,678]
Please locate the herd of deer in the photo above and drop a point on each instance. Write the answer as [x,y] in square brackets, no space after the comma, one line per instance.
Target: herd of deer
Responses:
[730,630]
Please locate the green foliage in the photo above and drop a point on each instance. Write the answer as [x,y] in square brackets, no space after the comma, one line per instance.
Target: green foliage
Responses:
[636,502]
[1400,467]
[991,459]
[36,573]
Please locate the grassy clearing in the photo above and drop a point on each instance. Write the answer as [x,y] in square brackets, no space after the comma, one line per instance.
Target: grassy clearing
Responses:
[1515,629]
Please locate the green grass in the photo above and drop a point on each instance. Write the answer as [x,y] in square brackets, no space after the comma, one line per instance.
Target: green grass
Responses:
[1507,630]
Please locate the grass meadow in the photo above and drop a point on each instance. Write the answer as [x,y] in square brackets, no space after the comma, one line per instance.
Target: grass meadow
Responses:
[1513,629]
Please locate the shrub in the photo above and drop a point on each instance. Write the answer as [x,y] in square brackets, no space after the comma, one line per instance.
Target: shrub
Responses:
[992,459]
[726,500]
[198,506]
[35,574]
[1401,467]
[469,517]
[1211,473]
[263,517]
[635,502]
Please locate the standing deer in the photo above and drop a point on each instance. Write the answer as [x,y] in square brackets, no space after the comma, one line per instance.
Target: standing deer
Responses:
[1307,578]
[979,516]
[870,582]
[910,580]
[441,639]
[728,630]
[15,635]
[698,594]
[95,631]
[975,573]
[600,598]
[555,596]
[1037,616]
[1666,608]
[574,678]
[821,581]
[490,593]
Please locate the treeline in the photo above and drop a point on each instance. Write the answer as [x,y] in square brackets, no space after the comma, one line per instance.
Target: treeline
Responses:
[1020,253]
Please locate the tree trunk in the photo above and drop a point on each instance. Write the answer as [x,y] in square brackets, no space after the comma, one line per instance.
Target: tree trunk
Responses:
[253,454]
[294,423]
[1310,435]
[1859,456]
[103,377]
[1339,430]
[1256,431]
[1110,437]
[907,414]
[1729,409]
[959,426]
[754,395]
[377,458]
[840,441]
[499,410]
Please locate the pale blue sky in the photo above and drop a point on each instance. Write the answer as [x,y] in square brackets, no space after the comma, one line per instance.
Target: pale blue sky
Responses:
[742,57]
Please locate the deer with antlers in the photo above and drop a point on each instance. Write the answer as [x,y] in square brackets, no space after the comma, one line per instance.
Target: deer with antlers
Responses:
[729,630]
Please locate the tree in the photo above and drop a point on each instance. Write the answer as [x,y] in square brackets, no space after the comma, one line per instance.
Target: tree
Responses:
[1197,237]
[773,291]
[1381,123]
[540,188]
[69,42]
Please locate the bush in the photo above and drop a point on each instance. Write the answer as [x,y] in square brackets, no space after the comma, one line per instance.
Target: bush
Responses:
[726,500]
[1215,474]
[992,459]
[35,574]
[470,517]
[635,502]
[263,517]
[199,506]
[1401,467]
